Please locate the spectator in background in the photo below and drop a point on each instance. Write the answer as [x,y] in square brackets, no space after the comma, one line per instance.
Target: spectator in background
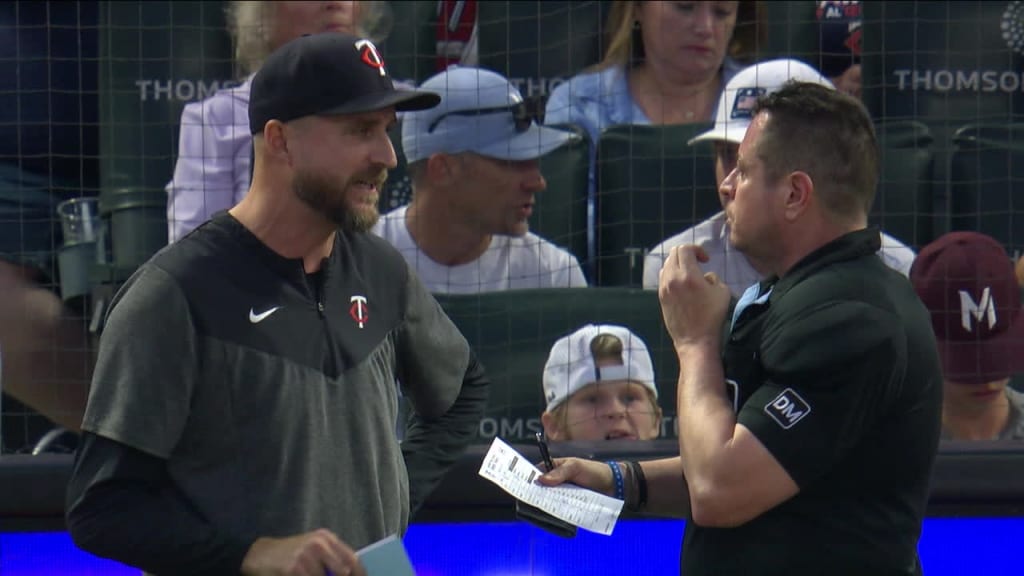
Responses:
[599,385]
[839,44]
[736,269]
[215,147]
[967,282]
[49,150]
[474,170]
[666,63]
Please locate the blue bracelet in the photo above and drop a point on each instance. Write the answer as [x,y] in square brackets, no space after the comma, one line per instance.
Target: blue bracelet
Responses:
[620,490]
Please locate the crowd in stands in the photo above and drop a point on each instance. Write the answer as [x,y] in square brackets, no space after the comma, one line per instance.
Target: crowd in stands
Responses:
[474,165]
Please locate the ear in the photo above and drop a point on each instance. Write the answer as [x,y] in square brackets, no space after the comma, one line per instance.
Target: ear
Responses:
[551,429]
[799,194]
[275,140]
[441,167]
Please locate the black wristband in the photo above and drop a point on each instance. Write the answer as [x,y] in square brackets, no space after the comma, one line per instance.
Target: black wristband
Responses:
[641,482]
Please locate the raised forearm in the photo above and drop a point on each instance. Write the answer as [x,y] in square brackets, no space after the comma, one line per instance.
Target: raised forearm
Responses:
[706,418]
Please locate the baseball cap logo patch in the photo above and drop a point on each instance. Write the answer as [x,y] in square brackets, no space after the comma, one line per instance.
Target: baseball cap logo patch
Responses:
[787,408]
[984,310]
[371,56]
[746,98]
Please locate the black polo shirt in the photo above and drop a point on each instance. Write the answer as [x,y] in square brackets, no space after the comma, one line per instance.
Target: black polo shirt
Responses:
[836,372]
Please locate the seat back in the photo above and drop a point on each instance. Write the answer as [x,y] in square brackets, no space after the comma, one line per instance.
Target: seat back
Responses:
[650,185]
[409,50]
[538,45]
[987,188]
[155,57]
[512,332]
[942,62]
[904,203]
[561,211]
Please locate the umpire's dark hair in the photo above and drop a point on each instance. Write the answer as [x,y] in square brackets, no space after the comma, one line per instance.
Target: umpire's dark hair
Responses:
[828,135]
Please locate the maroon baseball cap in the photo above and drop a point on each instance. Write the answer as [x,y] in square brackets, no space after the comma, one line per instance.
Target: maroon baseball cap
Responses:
[967,282]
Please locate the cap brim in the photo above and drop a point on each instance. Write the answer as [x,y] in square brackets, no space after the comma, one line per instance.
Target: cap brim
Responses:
[533,143]
[402,100]
[980,362]
[715,134]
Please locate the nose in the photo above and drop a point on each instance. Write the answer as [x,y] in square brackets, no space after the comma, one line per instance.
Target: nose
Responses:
[614,409]
[383,153]
[727,188]
[704,18]
[533,181]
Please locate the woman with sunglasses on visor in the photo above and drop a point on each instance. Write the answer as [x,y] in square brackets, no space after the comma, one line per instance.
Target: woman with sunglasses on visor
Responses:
[212,172]
[473,164]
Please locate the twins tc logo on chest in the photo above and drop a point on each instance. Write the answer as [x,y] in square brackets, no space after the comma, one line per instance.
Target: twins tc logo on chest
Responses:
[359,310]
[787,408]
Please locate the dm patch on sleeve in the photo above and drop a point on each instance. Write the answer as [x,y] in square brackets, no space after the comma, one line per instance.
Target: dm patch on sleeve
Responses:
[787,408]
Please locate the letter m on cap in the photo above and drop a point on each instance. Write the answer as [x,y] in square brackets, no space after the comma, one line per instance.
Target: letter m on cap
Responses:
[986,309]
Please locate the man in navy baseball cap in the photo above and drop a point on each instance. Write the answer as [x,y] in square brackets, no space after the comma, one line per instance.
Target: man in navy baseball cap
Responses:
[327,74]
[279,331]
[320,109]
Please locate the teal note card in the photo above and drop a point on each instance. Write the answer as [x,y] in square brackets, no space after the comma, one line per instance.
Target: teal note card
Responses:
[386,557]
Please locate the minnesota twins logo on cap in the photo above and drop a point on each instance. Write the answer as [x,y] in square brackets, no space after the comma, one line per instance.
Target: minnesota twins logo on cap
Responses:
[371,56]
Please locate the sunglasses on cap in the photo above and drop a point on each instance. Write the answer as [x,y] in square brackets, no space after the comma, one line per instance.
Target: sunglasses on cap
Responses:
[524,114]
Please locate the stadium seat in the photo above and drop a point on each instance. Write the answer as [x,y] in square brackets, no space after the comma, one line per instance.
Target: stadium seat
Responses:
[904,205]
[561,211]
[987,188]
[409,50]
[650,185]
[157,56]
[948,63]
[512,333]
[538,45]
[792,31]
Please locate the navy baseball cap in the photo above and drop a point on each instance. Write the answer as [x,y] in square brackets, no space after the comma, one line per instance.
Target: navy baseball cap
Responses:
[326,74]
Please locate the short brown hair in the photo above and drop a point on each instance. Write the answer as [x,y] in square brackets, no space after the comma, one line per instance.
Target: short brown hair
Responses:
[748,37]
[827,134]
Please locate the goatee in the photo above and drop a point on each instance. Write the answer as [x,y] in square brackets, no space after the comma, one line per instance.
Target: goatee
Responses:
[328,197]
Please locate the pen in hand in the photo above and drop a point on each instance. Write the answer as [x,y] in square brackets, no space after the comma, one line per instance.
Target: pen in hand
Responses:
[543,445]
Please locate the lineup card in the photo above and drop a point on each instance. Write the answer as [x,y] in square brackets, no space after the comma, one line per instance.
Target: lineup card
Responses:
[574,504]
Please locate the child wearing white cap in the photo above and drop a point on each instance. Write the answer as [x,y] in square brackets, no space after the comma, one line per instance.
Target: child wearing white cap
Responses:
[599,385]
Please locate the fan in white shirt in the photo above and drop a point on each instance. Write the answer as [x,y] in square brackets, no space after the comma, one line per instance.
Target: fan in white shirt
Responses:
[473,165]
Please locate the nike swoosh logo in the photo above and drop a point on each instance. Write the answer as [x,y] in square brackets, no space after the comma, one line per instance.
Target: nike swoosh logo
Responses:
[257,318]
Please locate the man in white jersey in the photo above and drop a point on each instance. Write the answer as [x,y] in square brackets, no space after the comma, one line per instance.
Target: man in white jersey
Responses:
[737,270]
[473,163]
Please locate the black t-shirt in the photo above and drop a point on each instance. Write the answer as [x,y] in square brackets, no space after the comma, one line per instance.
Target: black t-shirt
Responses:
[836,372]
